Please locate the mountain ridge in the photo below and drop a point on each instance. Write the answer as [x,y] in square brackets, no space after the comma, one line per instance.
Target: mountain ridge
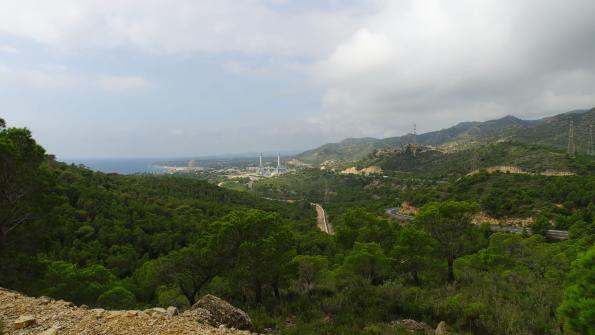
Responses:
[551,130]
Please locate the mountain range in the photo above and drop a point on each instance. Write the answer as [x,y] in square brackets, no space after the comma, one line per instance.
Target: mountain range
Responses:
[550,131]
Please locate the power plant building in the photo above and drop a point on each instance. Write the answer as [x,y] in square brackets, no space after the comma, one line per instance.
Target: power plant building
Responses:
[268,171]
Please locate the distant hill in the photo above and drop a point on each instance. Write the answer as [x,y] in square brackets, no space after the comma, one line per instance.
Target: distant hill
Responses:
[505,155]
[552,131]
[347,150]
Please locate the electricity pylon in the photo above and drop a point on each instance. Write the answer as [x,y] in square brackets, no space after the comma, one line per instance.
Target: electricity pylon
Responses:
[571,146]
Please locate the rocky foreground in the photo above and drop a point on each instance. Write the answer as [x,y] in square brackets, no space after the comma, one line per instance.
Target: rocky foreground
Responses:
[26,315]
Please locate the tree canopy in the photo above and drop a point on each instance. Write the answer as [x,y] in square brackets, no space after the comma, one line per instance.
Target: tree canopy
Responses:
[139,241]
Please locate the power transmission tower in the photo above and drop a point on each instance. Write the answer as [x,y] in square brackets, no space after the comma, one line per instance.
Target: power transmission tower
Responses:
[590,151]
[414,139]
[474,160]
[571,146]
[325,191]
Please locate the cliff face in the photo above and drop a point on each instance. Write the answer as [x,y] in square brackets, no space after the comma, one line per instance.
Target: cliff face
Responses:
[26,315]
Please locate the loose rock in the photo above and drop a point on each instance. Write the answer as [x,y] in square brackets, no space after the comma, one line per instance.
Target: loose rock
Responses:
[43,300]
[171,311]
[224,313]
[441,329]
[412,325]
[201,315]
[50,331]
[131,313]
[26,315]
[24,321]
[65,303]
[156,310]
[114,314]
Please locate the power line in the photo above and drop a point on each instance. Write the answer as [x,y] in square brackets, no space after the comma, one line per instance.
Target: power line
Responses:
[474,160]
[414,140]
[414,133]
[571,146]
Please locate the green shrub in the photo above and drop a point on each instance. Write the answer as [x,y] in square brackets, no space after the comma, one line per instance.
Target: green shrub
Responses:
[117,298]
[70,282]
[452,307]
[472,314]
[262,319]
[578,308]
[171,296]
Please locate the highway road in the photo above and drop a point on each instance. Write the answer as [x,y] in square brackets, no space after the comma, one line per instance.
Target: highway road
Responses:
[322,220]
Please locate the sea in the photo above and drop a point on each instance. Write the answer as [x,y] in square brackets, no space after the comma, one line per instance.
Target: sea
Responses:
[120,165]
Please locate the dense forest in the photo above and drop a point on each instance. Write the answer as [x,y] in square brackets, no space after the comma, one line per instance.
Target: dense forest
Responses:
[137,241]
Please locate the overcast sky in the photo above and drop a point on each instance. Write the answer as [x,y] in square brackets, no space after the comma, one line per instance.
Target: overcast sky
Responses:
[145,78]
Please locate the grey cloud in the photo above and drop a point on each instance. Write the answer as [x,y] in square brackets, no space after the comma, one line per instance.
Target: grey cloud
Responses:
[437,62]
[181,27]
[378,65]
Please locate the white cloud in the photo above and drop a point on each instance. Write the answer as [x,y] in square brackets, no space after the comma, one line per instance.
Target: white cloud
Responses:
[437,62]
[242,68]
[124,84]
[8,49]
[381,64]
[186,26]
[40,78]
[56,77]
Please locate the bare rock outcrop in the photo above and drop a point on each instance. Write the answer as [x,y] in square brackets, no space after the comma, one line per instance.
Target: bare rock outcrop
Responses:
[172,311]
[24,321]
[201,315]
[370,170]
[156,311]
[22,315]
[223,313]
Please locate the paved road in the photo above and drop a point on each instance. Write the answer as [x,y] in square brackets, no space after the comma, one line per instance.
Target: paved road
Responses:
[322,220]
[394,212]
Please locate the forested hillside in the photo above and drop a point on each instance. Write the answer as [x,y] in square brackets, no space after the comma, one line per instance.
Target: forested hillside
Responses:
[528,158]
[137,241]
[350,149]
[551,131]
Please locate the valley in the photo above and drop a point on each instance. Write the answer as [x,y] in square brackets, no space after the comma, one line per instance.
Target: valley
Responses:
[404,236]
[290,167]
